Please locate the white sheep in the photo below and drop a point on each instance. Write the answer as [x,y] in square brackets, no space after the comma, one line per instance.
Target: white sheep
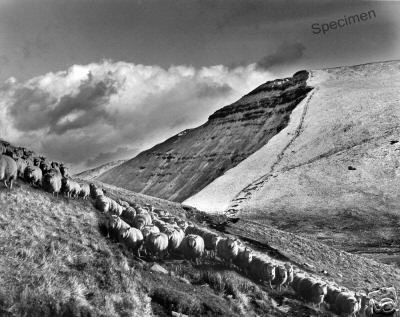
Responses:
[227,249]
[156,244]
[192,247]
[8,170]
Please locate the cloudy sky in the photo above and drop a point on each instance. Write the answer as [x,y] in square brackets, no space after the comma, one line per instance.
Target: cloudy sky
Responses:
[89,81]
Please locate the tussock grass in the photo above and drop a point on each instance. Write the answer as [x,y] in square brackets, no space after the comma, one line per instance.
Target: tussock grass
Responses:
[55,262]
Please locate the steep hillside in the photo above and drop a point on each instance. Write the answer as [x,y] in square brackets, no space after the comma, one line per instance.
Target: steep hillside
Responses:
[333,172]
[56,262]
[97,171]
[187,162]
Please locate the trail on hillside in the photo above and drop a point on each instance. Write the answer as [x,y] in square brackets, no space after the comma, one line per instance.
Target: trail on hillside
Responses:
[247,192]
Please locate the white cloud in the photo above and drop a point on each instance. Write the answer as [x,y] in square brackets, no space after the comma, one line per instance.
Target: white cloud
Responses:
[89,110]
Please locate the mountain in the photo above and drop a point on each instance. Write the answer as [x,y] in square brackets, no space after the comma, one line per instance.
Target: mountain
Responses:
[187,162]
[334,171]
[97,171]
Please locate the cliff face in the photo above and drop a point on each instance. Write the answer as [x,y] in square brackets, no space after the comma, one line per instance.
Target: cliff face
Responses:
[334,171]
[190,160]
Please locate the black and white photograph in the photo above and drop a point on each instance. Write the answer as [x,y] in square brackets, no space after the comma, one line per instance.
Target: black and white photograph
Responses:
[190,158]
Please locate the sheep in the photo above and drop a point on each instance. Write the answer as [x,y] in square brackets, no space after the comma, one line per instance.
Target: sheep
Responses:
[116,226]
[243,259]
[280,277]
[44,166]
[64,170]
[332,293]
[33,175]
[102,203]
[132,238]
[129,214]
[160,224]
[56,166]
[366,304]
[289,271]
[297,278]
[147,230]
[258,268]
[312,291]
[182,224]
[192,247]
[227,249]
[346,304]
[76,189]
[211,239]
[142,220]
[85,191]
[95,191]
[8,170]
[52,182]
[175,237]
[156,244]
[21,165]
[115,208]
[70,187]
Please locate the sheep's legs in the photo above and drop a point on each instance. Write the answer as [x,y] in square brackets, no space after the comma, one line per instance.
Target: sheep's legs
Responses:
[5,183]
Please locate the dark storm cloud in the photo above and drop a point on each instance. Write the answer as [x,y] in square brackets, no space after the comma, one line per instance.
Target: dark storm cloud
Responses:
[36,109]
[55,34]
[284,54]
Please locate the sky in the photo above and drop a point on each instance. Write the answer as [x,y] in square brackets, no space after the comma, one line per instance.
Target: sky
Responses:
[90,81]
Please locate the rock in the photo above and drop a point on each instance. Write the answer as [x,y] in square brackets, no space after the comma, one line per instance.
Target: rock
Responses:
[158,268]
[230,135]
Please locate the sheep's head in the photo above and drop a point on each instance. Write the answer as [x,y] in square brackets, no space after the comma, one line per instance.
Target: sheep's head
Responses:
[271,270]
[231,243]
[192,241]
[248,254]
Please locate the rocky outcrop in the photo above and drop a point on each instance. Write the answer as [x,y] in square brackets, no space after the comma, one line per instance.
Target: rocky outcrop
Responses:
[190,160]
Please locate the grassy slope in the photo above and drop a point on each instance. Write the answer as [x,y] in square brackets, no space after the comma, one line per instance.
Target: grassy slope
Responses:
[56,262]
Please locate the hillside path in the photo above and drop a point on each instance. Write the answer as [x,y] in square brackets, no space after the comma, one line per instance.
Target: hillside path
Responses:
[247,192]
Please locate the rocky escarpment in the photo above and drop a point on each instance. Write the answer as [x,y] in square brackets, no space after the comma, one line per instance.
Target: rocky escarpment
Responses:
[190,160]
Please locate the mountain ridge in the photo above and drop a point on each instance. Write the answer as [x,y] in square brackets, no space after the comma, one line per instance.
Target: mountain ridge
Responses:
[185,163]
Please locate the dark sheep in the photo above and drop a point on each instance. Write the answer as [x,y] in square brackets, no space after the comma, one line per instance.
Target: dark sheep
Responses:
[52,182]
[33,175]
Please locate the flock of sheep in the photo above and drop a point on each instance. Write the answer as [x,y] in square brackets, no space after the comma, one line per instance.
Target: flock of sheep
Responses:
[155,233]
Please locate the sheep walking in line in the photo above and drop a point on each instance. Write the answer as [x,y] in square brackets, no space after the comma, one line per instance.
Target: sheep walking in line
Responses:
[227,250]
[243,259]
[132,238]
[156,244]
[192,247]
[52,182]
[33,175]
[8,170]
[85,190]
[142,220]
[280,277]
[21,166]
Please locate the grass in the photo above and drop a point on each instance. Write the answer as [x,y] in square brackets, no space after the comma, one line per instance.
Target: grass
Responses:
[56,263]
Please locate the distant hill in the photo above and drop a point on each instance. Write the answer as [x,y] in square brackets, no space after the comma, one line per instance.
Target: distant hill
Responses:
[99,170]
[190,160]
[334,171]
